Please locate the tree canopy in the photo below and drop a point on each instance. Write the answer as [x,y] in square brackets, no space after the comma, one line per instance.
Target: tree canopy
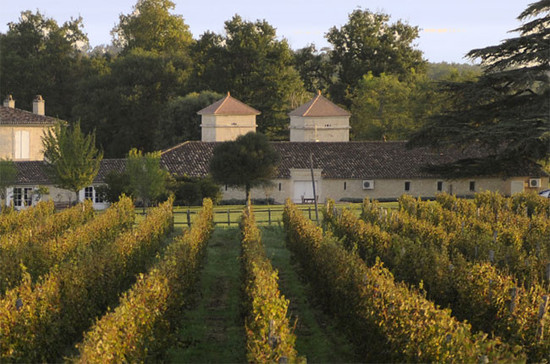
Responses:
[147,177]
[73,157]
[368,43]
[506,109]
[247,162]
[256,67]
[152,27]
[142,90]
[180,121]
[38,56]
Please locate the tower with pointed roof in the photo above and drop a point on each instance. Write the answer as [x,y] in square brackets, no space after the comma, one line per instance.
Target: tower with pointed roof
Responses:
[319,120]
[226,119]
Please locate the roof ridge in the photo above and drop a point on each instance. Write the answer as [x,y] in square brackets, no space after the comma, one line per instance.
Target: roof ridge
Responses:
[223,102]
[174,147]
[312,103]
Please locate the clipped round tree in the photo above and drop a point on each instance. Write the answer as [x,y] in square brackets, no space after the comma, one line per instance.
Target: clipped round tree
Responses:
[247,162]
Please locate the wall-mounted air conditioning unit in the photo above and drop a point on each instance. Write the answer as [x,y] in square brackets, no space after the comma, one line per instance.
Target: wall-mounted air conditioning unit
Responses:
[534,182]
[368,184]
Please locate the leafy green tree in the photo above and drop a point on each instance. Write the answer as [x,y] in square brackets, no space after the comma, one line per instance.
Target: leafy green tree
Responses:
[315,68]
[180,121]
[247,162]
[385,108]
[147,177]
[126,102]
[190,191]
[380,109]
[443,71]
[256,67]
[506,109]
[368,43]
[73,157]
[8,175]
[152,27]
[116,185]
[38,56]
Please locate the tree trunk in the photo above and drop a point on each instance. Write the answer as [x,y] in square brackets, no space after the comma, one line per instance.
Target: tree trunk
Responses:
[76,200]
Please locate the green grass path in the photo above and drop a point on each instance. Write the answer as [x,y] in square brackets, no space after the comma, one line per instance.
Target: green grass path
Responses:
[212,330]
[316,338]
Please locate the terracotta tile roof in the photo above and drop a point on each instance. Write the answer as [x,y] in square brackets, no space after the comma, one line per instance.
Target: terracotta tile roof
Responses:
[35,172]
[338,160]
[319,106]
[228,106]
[12,116]
[109,165]
[31,172]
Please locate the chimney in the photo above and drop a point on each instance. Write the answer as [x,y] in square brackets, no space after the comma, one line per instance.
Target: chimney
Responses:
[9,102]
[38,106]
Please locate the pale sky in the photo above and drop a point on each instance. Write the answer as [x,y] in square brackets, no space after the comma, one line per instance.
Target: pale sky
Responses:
[449,29]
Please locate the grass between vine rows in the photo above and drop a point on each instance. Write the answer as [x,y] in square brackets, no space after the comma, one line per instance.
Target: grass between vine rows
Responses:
[212,329]
[316,337]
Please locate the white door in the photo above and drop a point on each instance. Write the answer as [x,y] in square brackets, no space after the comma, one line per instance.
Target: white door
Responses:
[304,189]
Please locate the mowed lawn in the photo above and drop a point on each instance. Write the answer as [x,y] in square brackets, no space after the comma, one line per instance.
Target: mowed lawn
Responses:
[230,215]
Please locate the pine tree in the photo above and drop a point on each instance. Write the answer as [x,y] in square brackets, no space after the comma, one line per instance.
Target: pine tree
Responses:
[507,109]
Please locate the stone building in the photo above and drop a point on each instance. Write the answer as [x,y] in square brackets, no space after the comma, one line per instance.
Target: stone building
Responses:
[226,119]
[319,139]
[319,120]
[21,131]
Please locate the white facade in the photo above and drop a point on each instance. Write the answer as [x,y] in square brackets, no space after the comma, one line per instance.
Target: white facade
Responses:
[24,196]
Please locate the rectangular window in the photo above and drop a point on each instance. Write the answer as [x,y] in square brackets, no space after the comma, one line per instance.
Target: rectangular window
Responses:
[17,196]
[22,196]
[345,186]
[22,144]
[98,197]
[472,186]
[89,193]
[439,186]
[226,187]
[407,186]
[280,186]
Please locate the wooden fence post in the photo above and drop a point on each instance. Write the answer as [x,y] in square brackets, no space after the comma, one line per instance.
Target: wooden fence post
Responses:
[228,218]
[269,215]
[188,217]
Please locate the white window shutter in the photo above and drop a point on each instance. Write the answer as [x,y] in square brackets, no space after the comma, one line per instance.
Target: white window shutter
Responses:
[25,144]
[22,144]
[18,144]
